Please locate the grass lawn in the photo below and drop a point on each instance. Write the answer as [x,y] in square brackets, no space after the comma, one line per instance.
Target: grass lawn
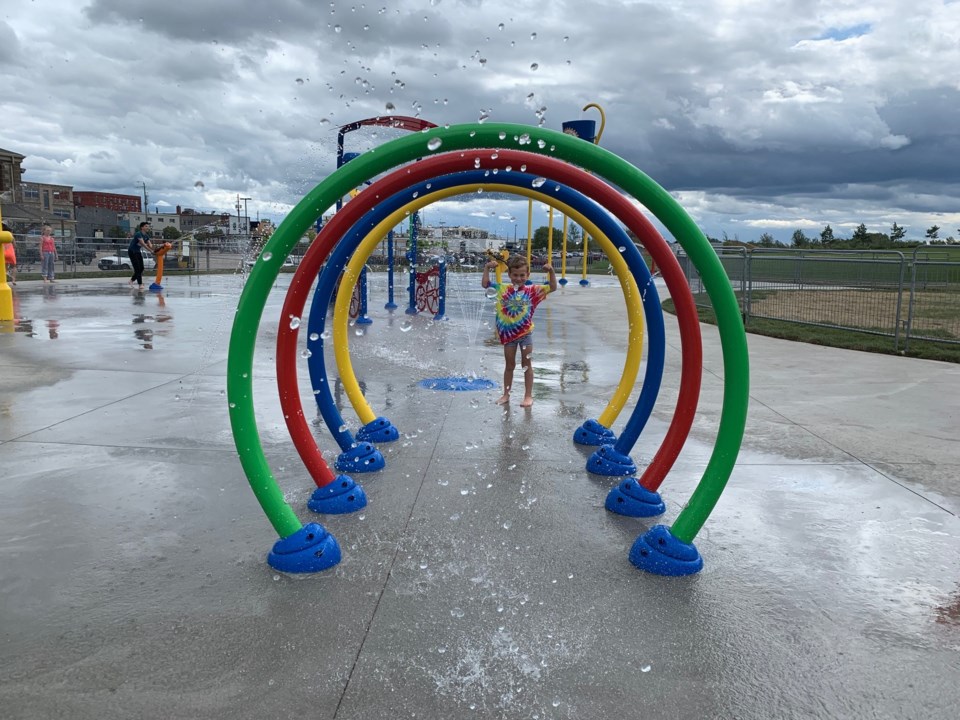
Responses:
[832,337]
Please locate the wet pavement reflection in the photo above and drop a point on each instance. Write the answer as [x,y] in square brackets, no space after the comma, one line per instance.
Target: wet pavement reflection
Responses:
[484,579]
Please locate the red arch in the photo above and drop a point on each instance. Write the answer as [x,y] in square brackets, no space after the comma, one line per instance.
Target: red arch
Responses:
[574,177]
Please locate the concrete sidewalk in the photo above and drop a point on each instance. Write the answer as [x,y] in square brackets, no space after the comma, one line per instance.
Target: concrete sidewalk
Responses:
[484,579]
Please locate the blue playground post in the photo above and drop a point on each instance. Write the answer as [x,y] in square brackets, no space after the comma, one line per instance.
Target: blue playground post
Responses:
[391,305]
[442,307]
[412,259]
[362,317]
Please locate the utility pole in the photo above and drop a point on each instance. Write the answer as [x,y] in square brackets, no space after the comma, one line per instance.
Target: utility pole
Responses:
[146,204]
[246,218]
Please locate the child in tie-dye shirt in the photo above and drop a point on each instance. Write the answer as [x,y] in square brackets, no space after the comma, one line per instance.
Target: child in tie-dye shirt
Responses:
[516,303]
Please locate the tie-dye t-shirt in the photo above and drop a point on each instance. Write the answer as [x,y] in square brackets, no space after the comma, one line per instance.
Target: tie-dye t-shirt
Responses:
[515,306]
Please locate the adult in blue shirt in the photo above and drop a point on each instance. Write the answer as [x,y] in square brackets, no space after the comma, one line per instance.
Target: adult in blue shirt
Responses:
[141,241]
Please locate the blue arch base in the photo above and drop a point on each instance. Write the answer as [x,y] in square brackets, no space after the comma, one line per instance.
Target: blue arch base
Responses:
[593,433]
[657,551]
[457,384]
[363,320]
[341,496]
[378,430]
[584,282]
[562,281]
[156,287]
[631,499]
[310,549]
[361,458]
[611,462]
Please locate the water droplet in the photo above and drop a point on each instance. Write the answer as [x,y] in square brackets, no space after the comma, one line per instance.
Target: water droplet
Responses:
[645,668]
[622,248]
[541,144]
[314,337]
[406,326]
[457,612]
[358,332]
[538,182]
[391,106]
[233,405]
[294,322]
[534,66]
[499,26]
[267,256]
[306,354]
[434,143]
[533,36]
[556,703]
[299,81]
[476,162]
[176,397]
[337,28]
[198,184]
[524,139]
[484,114]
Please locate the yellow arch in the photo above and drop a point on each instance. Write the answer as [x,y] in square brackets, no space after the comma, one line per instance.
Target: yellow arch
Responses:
[351,273]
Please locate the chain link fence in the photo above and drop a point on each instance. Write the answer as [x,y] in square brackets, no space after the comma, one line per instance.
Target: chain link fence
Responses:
[880,292]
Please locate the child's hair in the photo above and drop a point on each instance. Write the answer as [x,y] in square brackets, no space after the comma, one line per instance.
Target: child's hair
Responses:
[515,262]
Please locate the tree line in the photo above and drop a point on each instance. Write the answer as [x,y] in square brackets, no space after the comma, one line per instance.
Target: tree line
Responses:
[861,239]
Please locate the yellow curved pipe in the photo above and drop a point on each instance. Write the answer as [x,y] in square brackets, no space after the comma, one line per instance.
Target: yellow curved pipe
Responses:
[603,120]
[341,313]
[563,253]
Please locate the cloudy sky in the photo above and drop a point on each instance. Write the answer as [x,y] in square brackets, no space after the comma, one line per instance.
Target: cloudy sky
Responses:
[758,115]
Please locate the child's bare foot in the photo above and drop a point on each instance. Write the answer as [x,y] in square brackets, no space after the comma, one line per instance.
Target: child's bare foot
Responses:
[504,399]
[527,402]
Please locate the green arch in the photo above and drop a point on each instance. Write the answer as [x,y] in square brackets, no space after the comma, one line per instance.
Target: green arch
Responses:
[591,157]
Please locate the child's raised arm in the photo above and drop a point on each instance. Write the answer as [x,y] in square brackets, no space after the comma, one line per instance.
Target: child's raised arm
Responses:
[548,268]
[485,280]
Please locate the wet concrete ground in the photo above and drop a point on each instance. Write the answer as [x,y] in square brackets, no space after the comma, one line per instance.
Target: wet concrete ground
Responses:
[484,579]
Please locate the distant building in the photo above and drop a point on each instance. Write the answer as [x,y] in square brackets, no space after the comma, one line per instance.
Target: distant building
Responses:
[130,221]
[192,220]
[108,201]
[28,205]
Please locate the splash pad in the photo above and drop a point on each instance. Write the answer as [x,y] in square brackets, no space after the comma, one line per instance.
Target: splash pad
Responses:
[503,147]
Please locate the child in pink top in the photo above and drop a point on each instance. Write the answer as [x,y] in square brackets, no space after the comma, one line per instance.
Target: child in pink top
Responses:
[516,303]
[48,254]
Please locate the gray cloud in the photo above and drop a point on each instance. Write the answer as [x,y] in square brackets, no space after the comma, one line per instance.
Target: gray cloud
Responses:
[750,117]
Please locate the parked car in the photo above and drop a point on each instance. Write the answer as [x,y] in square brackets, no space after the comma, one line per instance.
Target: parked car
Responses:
[85,256]
[112,262]
[287,262]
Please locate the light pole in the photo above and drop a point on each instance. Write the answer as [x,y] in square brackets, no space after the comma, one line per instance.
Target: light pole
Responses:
[245,216]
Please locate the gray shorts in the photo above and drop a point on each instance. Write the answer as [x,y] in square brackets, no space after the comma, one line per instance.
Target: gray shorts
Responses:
[522,342]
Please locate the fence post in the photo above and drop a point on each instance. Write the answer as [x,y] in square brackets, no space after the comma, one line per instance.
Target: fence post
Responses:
[896,331]
[913,293]
[748,288]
